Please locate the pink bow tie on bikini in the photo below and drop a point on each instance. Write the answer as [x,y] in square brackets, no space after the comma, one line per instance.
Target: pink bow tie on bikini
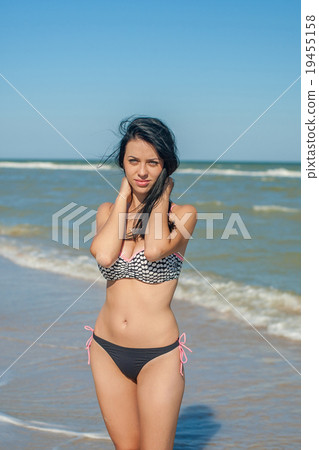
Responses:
[182,353]
[181,346]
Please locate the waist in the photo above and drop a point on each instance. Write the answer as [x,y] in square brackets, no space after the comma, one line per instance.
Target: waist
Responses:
[137,327]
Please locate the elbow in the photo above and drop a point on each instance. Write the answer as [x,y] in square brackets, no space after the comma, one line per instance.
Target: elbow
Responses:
[93,248]
[152,256]
[103,261]
[148,257]
[92,251]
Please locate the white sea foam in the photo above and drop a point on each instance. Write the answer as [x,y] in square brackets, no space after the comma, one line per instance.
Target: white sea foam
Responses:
[52,166]
[271,208]
[53,260]
[49,428]
[276,311]
[277,172]
[212,202]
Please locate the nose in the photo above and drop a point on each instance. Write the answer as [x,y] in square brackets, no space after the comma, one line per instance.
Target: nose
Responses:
[142,172]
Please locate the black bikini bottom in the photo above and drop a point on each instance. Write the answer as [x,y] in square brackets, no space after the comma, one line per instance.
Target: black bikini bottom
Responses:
[131,360]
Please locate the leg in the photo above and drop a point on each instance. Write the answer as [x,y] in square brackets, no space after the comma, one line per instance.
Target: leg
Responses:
[117,397]
[160,389]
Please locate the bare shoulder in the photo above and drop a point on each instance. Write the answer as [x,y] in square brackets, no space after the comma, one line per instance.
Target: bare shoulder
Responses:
[105,206]
[183,209]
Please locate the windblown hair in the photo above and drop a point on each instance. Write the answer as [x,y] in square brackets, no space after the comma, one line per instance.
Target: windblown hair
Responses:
[156,133]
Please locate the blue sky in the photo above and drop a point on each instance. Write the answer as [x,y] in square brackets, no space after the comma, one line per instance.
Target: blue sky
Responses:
[208,69]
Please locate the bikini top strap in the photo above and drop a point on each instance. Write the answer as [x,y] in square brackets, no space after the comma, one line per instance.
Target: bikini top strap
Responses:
[172,206]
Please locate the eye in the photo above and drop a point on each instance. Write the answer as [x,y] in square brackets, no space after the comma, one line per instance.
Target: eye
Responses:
[155,163]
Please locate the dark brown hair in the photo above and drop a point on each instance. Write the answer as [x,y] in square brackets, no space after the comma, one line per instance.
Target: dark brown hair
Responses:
[156,133]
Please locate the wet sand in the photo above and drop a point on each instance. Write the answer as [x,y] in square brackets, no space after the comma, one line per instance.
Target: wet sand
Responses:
[240,393]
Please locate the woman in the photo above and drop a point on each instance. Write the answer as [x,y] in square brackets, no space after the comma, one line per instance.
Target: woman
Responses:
[135,354]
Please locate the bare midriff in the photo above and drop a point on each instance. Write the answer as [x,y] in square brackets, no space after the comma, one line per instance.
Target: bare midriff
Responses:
[137,314]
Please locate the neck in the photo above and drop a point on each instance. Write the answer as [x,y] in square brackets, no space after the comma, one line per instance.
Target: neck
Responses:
[136,201]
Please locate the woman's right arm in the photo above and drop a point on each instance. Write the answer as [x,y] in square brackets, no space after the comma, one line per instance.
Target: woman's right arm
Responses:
[110,229]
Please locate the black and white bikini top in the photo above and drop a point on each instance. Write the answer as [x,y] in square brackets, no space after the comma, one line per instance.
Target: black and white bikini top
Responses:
[140,268]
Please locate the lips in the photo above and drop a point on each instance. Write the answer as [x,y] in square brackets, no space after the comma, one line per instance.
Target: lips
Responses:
[142,183]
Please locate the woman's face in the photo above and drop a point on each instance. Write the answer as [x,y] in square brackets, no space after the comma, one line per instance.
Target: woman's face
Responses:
[142,163]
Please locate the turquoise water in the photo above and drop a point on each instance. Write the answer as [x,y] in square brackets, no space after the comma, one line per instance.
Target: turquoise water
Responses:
[259,275]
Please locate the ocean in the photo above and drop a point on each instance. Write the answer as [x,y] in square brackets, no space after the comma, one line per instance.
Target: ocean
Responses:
[241,274]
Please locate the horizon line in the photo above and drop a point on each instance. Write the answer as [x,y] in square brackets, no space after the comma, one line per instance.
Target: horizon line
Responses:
[181,160]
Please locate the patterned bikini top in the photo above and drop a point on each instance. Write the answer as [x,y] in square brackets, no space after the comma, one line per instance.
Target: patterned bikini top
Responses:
[140,268]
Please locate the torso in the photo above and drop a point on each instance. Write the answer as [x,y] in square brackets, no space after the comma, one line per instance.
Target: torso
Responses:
[137,314]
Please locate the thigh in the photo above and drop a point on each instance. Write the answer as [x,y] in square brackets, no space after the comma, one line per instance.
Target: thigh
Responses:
[160,389]
[117,397]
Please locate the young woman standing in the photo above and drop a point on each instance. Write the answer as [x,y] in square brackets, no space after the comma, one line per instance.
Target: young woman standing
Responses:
[135,350]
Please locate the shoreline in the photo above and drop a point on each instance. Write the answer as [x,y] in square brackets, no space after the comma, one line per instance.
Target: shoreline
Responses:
[239,390]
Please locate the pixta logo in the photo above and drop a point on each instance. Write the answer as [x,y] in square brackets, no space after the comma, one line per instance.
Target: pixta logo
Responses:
[67,222]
